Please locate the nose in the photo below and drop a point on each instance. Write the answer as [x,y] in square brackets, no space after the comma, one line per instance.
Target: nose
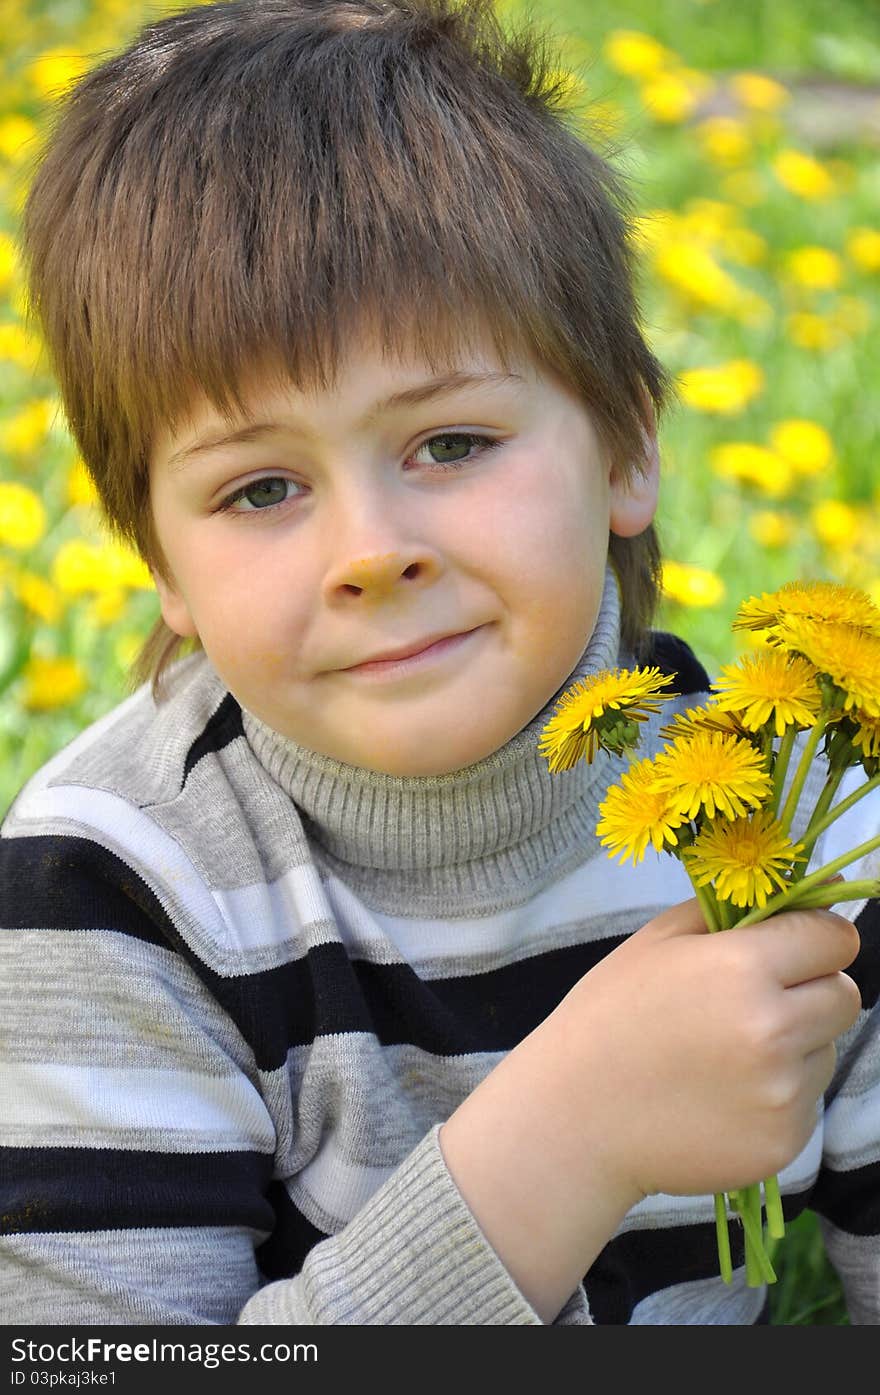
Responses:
[378,576]
[378,556]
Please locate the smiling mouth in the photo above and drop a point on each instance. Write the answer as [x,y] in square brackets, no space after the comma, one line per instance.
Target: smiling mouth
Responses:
[421,650]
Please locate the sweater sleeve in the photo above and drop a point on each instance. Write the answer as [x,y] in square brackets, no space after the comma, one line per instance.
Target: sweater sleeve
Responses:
[137,1149]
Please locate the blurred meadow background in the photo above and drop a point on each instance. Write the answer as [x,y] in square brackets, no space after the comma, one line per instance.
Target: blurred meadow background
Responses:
[750,134]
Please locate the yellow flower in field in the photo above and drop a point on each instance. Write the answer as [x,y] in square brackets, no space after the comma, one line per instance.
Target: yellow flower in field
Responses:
[806,445]
[51,683]
[712,772]
[605,118]
[107,607]
[600,711]
[809,331]
[817,268]
[809,600]
[18,136]
[757,92]
[724,140]
[36,594]
[849,656]
[29,426]
[634,814]
[8,260]
[745,187]
[835,524]
[771,528]
[742,460]
[691,269]
[744,246]
[80,489]
[769,685]
[690,585]
[745,859]
[18,345]
[635,54]
[80,567]
[803,175]
[863,248]
[671,96]
[725,388]
[56,70]
[22,516]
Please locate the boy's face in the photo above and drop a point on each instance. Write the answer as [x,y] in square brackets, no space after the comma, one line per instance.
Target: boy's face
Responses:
[363,530]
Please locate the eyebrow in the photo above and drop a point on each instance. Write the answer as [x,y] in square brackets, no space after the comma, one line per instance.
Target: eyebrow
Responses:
[408,397]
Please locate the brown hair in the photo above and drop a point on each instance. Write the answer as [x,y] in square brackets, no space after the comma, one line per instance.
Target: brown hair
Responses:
[266,177]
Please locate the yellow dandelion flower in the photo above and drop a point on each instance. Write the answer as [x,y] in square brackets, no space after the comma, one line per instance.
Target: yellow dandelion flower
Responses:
[38,596]
[835,523]
[744,246]
[80,488]
[635,54]
[827,601]
[80,567]
[18,345]
[866,737]
[758,92]
[744,187]
[745,859]
[634,814]
[690,585]
[22,516]
[725,388]
[848,655]
[863,248]
[704,718]
[18,135]
[817,268]
[801,174]
[724,140]
[753,464]
[28,427]
[807,330]
[769,686]
[599,712]
[107,607]
[772,529]
[691,269]
[52,683]
[8,260]
[806,445]
[56,70]
[672,96]
[712,772]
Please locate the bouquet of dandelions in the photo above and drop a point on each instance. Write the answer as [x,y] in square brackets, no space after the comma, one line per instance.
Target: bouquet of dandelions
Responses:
[721,794]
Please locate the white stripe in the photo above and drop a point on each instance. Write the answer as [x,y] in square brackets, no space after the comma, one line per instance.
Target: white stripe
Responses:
[340,1188]
[856,826]
[597,888]
[89,1098]
[853,1130]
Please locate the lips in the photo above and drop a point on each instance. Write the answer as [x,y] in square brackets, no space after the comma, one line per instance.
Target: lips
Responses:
[407,652]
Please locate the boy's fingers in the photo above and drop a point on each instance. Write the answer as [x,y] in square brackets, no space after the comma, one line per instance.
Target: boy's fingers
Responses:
[801,945]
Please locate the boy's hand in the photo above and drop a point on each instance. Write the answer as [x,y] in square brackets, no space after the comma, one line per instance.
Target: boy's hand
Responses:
[701,1057]
[684,1062]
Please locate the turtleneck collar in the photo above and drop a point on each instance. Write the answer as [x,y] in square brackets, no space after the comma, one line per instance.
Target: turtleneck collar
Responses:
[502,821]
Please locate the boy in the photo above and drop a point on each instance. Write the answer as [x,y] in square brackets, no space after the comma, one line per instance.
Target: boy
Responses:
[323,1004]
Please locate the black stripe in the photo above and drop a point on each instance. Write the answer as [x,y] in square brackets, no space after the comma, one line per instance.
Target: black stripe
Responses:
[672,655]
[850,1200]
[225,726]
[284,1253]
[67,1189]
[865,968]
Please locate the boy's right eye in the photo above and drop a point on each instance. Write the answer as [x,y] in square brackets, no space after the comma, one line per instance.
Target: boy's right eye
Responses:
[259,495]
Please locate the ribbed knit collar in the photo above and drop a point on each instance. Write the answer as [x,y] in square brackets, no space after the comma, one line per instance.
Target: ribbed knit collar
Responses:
[503,820]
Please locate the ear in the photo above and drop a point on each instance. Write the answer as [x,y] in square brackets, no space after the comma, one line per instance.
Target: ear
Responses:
[634,500]
[175,611]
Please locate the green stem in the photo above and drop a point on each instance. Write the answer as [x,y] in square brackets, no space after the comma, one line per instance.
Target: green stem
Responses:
[759,1270]
[708,906]
[773,1207]
[797,784]
[811,832]
[783,756]
[823,896]
[822,874]
[723,1238]
[815,828]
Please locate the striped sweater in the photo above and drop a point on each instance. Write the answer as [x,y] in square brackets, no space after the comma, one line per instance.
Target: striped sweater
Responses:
[243,985]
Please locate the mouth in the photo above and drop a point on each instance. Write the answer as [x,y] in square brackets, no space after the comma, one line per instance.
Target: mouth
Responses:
[412,653]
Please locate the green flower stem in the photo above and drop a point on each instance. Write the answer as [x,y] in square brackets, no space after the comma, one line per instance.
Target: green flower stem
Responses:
[773,1207]
[723,1238]
[791,897]
[815,827]
[811,833]
[708,906]
[797,784]
[759,1270]
[783,756]
[823,896]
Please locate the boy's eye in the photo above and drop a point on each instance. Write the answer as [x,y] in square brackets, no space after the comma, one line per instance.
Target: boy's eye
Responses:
[453,448]
[259,494]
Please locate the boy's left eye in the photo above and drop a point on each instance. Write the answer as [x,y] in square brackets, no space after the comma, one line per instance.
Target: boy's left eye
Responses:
[449,446]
